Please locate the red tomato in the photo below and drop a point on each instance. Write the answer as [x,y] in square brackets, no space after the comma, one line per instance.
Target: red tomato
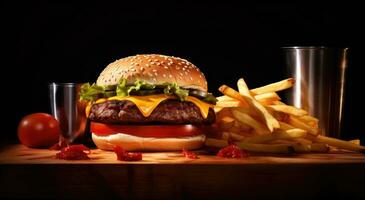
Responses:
[39,130]
[158,131]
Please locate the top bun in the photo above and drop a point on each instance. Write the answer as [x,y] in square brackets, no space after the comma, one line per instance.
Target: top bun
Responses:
[154,69]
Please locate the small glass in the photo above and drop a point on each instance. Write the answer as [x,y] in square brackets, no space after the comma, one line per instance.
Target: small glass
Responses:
[319,73]
[68,110]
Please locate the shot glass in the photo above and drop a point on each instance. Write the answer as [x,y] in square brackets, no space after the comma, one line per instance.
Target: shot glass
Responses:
[68,110]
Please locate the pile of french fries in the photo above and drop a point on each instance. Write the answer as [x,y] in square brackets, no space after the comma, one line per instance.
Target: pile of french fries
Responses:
[257,121]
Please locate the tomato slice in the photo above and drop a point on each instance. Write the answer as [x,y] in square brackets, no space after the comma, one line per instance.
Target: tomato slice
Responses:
[156,131]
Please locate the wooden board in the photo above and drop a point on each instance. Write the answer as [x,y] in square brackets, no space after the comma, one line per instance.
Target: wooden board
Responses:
[36,174]
[19,154]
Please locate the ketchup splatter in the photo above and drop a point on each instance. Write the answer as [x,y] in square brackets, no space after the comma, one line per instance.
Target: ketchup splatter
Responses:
[232,151]
[189,154]
[74,152]
[124,155]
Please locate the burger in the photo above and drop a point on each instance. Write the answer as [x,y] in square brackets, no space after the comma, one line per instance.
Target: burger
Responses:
[149,103]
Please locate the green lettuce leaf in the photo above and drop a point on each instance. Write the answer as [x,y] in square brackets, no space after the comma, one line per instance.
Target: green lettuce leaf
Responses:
[173,88]
[91,92]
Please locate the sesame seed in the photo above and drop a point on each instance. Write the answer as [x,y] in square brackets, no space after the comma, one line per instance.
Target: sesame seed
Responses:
[133,70]
[149,60]
[149,74]
[137,64]
[154,70]
[156,74]
[165,67]
[191,78]
[183,68]
[154,79]
[200,76]
[152,63]
[142,68]
[170,75]
[156,60]
[158,63]
[164,75]
[147,65]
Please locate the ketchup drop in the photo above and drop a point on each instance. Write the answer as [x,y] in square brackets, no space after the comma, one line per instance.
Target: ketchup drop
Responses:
[232,151]
[124,155]
[189,154]
[74,152]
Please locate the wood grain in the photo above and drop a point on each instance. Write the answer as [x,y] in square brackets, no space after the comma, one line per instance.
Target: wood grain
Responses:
[36,174]
[19,154]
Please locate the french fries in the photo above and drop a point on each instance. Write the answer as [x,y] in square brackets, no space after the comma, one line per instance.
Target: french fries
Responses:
[247,119]
[269,120]
[274,87]
[257,121]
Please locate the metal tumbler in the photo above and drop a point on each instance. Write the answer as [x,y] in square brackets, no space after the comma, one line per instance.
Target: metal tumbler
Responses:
[68,110]
[319,74]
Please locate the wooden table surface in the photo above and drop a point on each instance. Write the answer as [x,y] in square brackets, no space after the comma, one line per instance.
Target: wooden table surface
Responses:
[19,154]
[35,173]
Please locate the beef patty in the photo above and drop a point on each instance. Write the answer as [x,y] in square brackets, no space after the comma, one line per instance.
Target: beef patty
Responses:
[167,112]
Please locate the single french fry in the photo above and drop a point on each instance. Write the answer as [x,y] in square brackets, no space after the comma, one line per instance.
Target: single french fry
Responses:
[308,118]
[273,87]
[302,141]
[282,135]
[311,121]
[284,126]
[266,148]
[267,97]
[233,94]
[299,124]
[278,103]
[269,120]
[337,143]
[248,120]
[356,141]
[227,119]
[235,136]
[289,109]
[225,101]
[211,142]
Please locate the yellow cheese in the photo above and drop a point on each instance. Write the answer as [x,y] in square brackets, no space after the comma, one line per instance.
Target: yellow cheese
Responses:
[146,104]
[204,107]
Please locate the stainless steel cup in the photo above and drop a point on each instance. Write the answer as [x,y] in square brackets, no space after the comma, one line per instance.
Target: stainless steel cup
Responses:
[68,110]
[319,74]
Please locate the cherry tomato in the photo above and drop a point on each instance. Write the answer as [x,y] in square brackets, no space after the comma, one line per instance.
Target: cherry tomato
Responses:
[39,130]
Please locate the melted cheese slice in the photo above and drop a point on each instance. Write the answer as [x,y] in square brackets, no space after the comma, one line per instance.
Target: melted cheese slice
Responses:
[146,104]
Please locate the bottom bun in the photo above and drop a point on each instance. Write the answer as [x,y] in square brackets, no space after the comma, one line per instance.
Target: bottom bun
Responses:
[135,143]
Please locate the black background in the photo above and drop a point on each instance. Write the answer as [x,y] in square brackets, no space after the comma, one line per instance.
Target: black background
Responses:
[73,42]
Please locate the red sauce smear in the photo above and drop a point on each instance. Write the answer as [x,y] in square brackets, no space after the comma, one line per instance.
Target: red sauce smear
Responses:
[124,155]
[74,152]
[232,151]
[189,154]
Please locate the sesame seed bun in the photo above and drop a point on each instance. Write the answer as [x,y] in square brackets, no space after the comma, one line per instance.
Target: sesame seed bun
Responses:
[154,69]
